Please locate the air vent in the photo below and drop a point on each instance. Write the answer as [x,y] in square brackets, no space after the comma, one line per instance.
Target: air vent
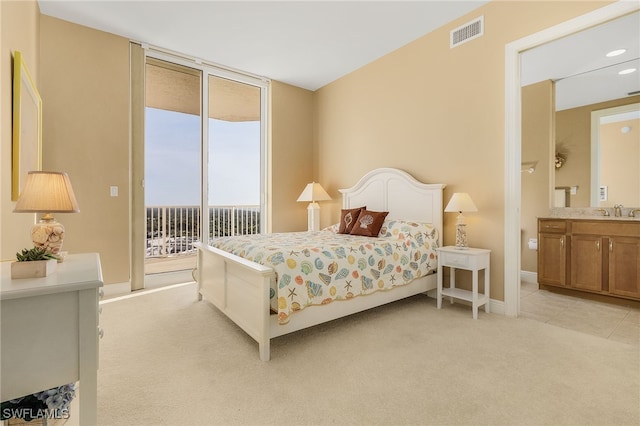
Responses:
[467,32]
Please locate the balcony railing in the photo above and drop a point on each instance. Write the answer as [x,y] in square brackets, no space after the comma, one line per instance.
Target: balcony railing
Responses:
[172,230]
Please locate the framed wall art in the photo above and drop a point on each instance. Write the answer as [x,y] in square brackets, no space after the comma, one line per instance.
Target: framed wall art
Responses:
[27,126]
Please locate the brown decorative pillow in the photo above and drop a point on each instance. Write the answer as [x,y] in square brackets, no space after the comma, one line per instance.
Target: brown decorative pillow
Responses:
[348,218]
[369,223]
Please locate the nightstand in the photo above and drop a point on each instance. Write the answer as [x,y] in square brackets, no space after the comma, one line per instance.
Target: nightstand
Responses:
[471,259]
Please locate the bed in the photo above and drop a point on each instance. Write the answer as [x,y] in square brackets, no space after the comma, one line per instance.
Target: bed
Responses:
[254,294]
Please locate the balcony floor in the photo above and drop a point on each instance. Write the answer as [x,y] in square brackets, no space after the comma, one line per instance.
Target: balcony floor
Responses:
[158,265]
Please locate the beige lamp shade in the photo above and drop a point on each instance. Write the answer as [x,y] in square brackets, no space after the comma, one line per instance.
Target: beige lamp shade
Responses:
[461,202]
[48,192]
[314,192]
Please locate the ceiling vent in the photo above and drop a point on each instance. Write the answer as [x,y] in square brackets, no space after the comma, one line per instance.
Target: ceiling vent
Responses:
[467,32]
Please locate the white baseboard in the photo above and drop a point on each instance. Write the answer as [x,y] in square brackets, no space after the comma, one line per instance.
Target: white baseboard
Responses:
[150,282]
[167,278]
[529,277]
[116,289]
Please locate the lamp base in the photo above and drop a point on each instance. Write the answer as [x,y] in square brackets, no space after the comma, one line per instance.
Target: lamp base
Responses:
[48,234]
[461,236]
[313,217]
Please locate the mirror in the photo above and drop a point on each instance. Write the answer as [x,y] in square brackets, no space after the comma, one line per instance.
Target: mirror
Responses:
[595,165]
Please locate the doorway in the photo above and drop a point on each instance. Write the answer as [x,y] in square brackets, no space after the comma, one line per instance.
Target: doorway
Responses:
[513,157]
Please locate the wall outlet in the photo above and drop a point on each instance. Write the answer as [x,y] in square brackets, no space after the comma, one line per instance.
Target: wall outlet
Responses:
[113,191]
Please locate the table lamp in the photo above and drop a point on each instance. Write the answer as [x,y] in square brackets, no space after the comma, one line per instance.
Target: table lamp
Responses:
[461,202]
[313,192]
[47,192]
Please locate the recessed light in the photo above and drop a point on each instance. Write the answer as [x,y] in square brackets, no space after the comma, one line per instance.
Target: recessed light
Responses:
[616,53]
[627,71]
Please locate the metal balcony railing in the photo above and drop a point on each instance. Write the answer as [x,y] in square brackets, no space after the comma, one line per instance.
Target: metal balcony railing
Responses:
[172,230]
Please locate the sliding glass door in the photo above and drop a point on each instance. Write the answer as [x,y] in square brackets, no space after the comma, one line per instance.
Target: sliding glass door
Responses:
[234,169]
[172,165]
[203,177]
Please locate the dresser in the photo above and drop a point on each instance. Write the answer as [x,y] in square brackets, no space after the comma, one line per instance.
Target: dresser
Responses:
[50,331]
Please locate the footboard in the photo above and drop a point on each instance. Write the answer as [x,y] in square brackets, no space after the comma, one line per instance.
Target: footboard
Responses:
[239,288]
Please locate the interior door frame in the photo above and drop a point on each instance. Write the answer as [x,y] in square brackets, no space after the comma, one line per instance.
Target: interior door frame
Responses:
[513,136]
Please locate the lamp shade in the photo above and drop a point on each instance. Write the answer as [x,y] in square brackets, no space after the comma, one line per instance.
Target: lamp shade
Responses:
[461,202]
[48,192]
[314,192]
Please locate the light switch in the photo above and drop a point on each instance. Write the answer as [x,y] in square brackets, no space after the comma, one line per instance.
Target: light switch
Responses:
[114,191]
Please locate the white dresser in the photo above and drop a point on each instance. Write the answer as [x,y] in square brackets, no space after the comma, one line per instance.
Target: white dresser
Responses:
[49,331]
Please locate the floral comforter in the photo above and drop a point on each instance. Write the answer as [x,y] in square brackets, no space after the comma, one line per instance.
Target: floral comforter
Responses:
[315,268]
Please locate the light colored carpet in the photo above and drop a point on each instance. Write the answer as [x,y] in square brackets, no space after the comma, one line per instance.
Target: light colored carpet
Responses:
[167,359]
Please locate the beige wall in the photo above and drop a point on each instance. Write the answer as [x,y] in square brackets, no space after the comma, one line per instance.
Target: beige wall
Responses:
[290,156]
[19,29]
[537,145]
[85,93]
[573,135]
[437,113]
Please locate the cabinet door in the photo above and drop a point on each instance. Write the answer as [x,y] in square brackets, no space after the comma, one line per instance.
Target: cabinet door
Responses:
[552,259]
[586,262]
[624,266]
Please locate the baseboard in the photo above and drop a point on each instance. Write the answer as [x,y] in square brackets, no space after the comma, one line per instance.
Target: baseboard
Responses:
[496,306]
[167,278]
[150,282]
[529,277]
[116,289]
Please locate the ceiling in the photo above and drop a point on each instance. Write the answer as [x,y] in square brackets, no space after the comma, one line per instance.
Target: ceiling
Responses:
[578,63]
[312,43]
[304,43]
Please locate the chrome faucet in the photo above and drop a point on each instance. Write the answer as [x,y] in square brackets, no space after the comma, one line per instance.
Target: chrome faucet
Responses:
[605,212]
[632,212]
[618,210]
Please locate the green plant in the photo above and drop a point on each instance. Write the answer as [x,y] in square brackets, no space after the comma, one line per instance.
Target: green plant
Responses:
[36,253]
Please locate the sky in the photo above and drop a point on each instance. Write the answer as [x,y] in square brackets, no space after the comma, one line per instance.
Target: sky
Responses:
[172,160]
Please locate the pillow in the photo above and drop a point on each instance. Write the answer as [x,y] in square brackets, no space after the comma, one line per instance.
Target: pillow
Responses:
[369,223]
[348,218]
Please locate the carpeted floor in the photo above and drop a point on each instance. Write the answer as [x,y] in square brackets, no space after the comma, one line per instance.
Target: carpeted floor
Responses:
[167,359]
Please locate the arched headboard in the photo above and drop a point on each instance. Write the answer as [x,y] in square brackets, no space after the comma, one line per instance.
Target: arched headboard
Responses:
[399,193]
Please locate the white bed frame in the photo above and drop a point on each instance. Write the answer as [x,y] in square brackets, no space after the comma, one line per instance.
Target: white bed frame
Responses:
[240,288]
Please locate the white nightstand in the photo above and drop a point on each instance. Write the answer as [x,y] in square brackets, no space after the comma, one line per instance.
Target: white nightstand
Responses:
[471,259]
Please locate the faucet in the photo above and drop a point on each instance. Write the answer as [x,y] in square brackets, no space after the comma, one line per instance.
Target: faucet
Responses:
[605,212]
[618,210]
[632,212]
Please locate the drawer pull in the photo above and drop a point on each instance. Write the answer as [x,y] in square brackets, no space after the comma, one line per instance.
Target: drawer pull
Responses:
[100,332]
[562,242]
[611,246]
[101,293]
[598,245]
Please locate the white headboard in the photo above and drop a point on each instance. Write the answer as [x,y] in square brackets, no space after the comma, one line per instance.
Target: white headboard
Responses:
[400,194]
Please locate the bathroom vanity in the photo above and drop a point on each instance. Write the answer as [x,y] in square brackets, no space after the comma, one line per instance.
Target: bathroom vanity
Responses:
[595,255]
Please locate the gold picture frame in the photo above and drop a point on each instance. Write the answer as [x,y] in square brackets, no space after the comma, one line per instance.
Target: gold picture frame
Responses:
[27,126]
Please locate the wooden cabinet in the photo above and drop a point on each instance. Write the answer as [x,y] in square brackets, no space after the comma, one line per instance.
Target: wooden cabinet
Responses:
[598,256]
[552,252]
[624,264]
[586,262]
